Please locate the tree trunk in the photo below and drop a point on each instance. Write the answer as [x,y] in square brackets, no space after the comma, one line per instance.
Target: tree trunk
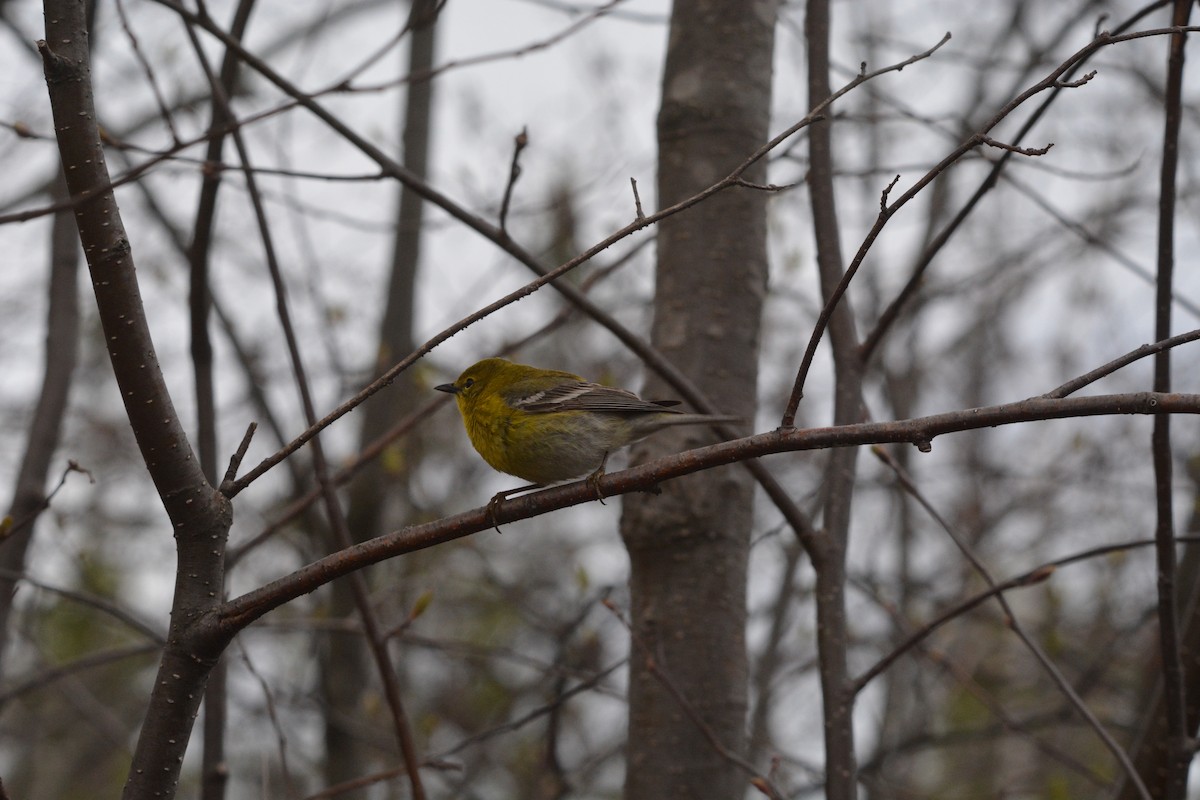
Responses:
[382,485]
[688,546]
[62,349]
[841,769]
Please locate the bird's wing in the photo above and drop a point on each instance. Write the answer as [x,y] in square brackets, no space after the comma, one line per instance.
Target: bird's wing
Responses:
[583,396]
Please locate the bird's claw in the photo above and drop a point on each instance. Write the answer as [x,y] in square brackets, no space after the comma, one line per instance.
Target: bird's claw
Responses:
[593,481]
[493,507]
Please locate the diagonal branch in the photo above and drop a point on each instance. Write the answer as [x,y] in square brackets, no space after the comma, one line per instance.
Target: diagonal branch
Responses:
[888,210]
[920,431]
[397,171]
[1075,384]
[200,516]
[1015,625]
[337,518]
[892,312]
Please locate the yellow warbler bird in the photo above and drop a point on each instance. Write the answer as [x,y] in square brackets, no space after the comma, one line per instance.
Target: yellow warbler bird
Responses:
[548,426]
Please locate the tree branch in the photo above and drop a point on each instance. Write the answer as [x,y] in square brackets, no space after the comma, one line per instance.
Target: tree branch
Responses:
[968,144]
[1180,747]
[241,611]
[200,516]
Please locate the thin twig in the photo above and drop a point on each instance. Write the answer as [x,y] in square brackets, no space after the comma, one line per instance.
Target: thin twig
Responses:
[397,171]
[1012,148]
[47,674]
[1095,240]
[235,460]
[272,714]
[637,200]
[1179,743]
[101,604]
[503,55]
[373,778]
[520,141]
[336,517]
[519,722]
[887,191]
[1075,384]
[164,112]
[10,527]
[653,663]
[1031,577]
[767,187]
[892,312]
[1034,648]
[137,172]
[972,141]
[1019,727]
[419,15]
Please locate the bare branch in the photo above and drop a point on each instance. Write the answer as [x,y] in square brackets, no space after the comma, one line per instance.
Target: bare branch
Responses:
[235,460]
[520,141]
[241,611]
[653,663]
[200,515]
[1050,81]
[1061,84]
[1180,744]
[892,312]
[1012,148]
[1015,625]
[1075,384]
[101,604]
[652,359]
[637,200]
[11,525]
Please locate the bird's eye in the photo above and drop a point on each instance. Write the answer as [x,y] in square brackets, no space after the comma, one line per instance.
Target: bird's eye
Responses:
[468,383]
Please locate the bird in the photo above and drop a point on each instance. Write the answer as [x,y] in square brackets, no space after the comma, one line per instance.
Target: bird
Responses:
[548,426]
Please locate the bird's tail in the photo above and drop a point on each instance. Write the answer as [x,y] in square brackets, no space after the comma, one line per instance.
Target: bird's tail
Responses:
[702,419]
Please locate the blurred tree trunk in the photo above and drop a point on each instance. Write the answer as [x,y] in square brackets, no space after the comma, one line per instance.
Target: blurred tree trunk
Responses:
[1150,739]
[215,769]
[381,487]
[829,561]
[1166,745]
[62,347]
[688,546]
[62,352]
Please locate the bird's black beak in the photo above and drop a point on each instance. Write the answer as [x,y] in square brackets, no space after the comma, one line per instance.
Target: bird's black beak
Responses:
[449,388]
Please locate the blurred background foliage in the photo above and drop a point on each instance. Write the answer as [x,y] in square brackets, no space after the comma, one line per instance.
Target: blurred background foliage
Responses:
[514,670]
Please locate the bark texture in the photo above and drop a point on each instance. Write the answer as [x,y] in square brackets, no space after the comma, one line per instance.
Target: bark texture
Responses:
[688,546]
[200,517]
